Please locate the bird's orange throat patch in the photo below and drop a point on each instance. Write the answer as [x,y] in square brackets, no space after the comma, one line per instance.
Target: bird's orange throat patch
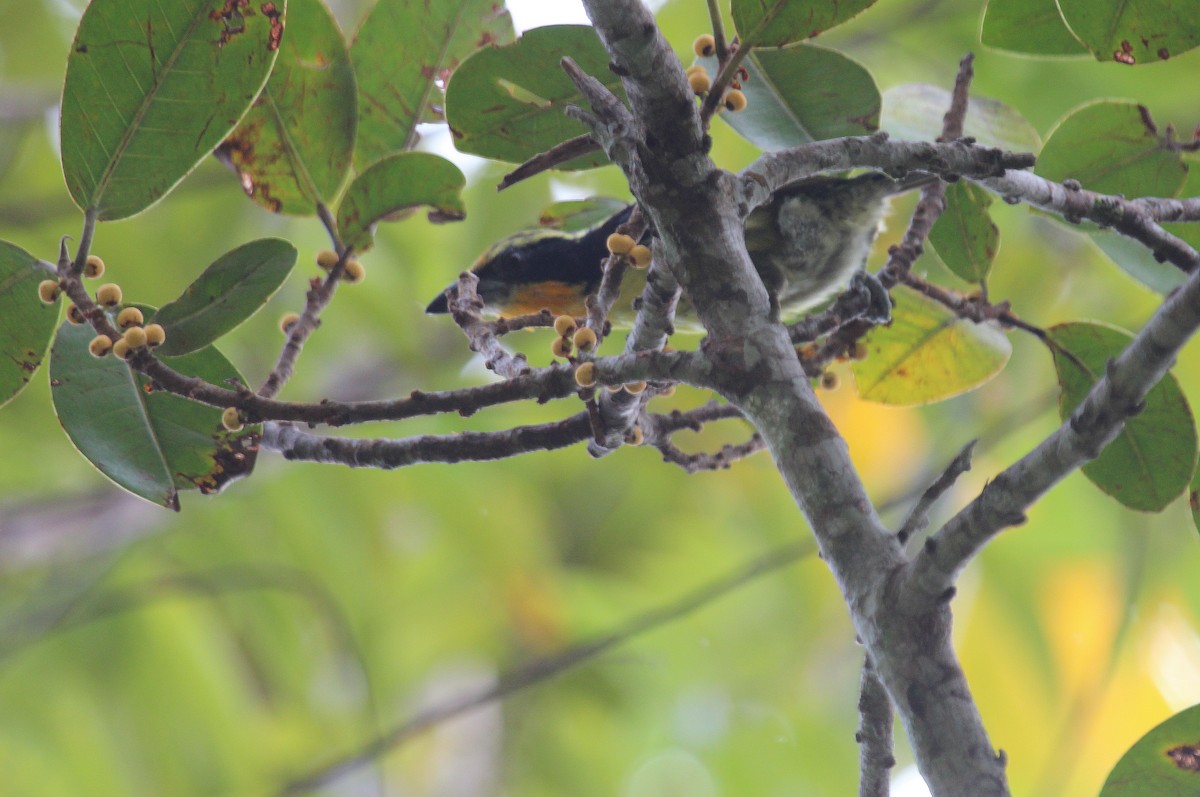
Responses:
[561,298]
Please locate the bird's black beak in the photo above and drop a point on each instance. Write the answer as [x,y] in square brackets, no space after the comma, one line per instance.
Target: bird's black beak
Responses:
[438,306]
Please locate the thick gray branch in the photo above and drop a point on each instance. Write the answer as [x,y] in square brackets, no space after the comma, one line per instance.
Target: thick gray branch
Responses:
[697,210]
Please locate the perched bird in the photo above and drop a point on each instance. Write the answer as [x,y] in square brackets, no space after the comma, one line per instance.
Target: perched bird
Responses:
[807,243]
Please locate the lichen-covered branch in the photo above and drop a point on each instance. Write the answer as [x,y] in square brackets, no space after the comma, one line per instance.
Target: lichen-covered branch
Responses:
[466,308]
[387,454]
[653,324]
[697,210]
[320,292]
[1136,218]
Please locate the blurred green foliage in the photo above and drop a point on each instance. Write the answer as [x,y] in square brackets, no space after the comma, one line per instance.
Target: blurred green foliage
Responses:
[282,624]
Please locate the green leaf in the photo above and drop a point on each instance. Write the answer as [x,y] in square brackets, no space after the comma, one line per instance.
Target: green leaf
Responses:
[800,94]
[1133,31]
[228,292]
[914,111]
[507,102]
[26,323]
[964,236]
[580,214]
[395,184]
[1108,147]
[149,442]
[151,88]
[1152,460]
[774,23]
[403,52]
[927,354]
[1163,763]
[292,150]
[1137,261]
[1028,26]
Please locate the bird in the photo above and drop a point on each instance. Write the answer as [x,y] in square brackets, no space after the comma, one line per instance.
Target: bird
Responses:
[808,242]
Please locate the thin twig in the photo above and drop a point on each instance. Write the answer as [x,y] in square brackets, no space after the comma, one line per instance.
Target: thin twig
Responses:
[661,426]
[619,411]
[717,460]
[387,454]
[320,292]
[918,518]
[542,318]
[614,269]
[716,94]
[465,306]
[552,158]
[956,114]
[874,736]
[971,308]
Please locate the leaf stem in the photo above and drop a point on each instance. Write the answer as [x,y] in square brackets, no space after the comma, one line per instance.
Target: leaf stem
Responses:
[85,241]
[718,29]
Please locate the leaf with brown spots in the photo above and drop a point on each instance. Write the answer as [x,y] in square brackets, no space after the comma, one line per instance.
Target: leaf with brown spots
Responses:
[404,54]
[150,442]
[26,324]
[1133,33]
[292,149]
[507,102]
[1163,763]
[1112,147]
[151,88]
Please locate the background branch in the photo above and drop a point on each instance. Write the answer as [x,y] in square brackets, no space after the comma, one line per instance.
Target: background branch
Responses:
[542,670]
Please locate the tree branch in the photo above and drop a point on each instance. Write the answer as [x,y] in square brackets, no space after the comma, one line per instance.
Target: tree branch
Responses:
[1135,218]
[698,212]
[771,171]
[874,736]
[320,293]
[1117,396]
[465,307]
[387,454]
[556,156]
[599,307]
[918,518]
[617,411]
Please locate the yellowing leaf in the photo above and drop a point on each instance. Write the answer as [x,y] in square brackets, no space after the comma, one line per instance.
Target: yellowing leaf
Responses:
[927,354]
